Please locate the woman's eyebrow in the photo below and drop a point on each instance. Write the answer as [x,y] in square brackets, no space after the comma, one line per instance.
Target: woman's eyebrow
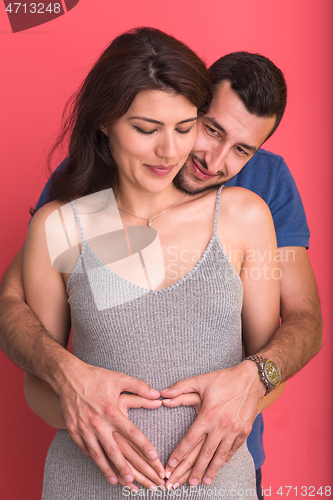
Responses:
[150,120]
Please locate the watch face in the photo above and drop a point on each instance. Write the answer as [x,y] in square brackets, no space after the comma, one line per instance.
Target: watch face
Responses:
[273,373]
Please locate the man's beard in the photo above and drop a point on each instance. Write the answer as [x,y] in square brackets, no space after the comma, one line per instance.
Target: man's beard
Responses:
[181,181]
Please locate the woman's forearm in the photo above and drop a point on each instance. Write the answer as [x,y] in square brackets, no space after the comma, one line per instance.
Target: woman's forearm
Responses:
[273,396]
[43,401]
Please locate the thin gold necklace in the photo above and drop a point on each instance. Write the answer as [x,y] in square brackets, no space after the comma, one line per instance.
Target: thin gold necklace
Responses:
[154,217]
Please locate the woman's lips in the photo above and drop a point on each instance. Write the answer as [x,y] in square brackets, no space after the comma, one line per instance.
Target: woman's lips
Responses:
[160,169]
[199,173]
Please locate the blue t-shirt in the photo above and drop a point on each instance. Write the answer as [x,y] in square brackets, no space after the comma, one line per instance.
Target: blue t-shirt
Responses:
[268,176]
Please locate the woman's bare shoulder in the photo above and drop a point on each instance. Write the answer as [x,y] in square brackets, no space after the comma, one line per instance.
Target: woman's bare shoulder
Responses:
[242,196]
[244,204]
[54,229]
[48,210]
[244,218]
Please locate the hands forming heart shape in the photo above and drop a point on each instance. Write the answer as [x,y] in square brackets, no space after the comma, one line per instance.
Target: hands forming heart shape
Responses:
[94,409]
[150,473]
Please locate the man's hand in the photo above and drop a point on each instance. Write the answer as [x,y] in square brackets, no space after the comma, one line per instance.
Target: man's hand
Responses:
[144,470]
[94,409]
[230,400]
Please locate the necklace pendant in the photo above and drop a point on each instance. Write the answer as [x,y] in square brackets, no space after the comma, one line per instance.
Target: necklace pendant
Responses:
[149,223]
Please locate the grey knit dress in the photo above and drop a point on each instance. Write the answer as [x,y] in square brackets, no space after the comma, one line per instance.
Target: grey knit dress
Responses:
[188,328]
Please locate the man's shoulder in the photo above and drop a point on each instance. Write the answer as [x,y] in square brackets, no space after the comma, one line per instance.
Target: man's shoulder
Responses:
[264,154]
[263,174]
[46,193]
[267,175]
[265,161]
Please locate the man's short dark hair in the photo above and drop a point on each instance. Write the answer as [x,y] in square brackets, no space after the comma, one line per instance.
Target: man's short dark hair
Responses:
[258,82]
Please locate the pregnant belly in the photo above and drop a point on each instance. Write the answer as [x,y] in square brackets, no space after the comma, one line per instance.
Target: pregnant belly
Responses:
[70,474]
[164,427]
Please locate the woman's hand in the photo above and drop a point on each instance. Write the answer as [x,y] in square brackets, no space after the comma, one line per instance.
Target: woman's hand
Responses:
[190,399]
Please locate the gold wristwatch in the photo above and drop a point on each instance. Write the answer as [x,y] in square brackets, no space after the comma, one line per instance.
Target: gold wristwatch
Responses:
[269,372]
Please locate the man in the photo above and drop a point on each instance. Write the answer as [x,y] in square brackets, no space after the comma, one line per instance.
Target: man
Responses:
[249,92]
[227,138]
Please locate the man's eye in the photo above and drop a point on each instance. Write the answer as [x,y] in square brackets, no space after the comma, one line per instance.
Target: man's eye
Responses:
[211,130]
[241,151]
[147,132]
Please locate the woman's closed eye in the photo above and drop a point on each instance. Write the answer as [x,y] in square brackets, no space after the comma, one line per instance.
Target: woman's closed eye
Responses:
[150,132]
[147,132]
[184,131]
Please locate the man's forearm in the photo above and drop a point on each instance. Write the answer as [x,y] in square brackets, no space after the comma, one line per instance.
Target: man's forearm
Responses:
[26,342]
[22,336]
[298,339]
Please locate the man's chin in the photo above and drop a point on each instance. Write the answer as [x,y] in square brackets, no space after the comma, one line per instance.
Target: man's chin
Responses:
[191,185]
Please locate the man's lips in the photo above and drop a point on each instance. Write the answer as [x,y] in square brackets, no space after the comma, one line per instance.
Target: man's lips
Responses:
[199,172]
[160,169]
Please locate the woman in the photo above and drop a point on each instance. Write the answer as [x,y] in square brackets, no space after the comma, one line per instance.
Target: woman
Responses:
[137,306]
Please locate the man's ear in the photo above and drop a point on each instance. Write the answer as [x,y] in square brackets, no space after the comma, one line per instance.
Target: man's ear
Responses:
[104,129]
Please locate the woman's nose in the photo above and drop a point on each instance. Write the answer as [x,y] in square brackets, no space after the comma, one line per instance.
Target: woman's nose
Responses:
[167,147]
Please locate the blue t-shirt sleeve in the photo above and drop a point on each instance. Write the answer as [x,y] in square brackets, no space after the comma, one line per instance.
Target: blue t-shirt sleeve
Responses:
[267,175]
[255,443]
[45,194]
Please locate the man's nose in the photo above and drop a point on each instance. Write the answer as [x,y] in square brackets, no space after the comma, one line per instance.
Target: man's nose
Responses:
[215,159]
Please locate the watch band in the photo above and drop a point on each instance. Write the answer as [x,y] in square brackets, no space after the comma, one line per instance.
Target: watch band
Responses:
[261,364]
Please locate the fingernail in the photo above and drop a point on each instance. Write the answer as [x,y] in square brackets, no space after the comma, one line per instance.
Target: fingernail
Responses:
[194,481]
[168,474]
[112,480]
[173,462]
[225,463]
[166,400]
[154,392]
[162,476]
[152,487]
[170,486]
[152,455]
[128,478]
[207,480]
[176,485]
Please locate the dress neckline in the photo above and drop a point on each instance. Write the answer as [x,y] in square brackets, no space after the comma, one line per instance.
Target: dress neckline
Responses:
[87,248]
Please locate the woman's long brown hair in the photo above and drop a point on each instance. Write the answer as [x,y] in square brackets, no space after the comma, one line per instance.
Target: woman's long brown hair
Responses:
[138,60]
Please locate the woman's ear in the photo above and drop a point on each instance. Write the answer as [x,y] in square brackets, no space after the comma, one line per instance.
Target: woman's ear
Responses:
[104,129]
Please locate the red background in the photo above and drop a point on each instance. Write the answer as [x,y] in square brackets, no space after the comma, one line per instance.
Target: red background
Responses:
[41,67]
